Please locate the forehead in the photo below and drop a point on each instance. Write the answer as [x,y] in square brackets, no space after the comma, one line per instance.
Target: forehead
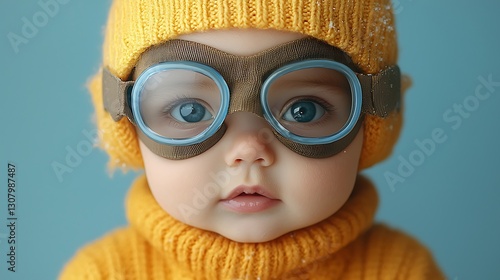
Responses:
[242,42]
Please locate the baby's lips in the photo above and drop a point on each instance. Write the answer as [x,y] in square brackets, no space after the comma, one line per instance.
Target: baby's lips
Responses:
[242,189]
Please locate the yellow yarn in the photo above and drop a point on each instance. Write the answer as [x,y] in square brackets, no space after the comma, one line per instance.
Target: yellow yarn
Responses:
[363,29]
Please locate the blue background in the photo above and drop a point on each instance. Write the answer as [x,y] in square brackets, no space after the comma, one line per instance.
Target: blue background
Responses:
[449,202]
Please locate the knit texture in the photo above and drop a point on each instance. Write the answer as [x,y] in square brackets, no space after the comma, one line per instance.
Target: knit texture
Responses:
[363,29]
[344,246]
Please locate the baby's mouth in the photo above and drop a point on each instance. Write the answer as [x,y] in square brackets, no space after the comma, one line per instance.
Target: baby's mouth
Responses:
[246,199]
[256,191]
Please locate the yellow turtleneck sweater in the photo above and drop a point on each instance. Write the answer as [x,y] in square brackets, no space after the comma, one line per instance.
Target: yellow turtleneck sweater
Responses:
[345,246]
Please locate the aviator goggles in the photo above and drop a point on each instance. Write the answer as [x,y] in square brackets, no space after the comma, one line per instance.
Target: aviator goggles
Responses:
[311,93]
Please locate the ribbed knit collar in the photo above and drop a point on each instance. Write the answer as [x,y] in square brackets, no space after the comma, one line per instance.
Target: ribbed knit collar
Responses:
[207,255]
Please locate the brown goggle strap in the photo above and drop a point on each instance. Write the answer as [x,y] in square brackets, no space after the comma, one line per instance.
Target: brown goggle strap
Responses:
[381,92]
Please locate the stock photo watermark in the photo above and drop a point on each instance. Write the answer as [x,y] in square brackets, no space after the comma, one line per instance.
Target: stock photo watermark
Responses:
[11,221]
[454,118]
[75,155]
[398,6]
[32,25]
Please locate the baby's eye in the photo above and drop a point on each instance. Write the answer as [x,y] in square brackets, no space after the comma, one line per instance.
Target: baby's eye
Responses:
[303,111]
[190,112]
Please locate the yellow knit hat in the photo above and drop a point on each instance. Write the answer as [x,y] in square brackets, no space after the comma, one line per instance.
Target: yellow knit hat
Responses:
[364,29]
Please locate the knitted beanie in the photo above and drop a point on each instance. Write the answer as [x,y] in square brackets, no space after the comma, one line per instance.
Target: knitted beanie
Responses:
[364,29]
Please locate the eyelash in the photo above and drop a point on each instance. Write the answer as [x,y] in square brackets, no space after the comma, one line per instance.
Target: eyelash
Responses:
[166,112]
[182,99]
[329,108]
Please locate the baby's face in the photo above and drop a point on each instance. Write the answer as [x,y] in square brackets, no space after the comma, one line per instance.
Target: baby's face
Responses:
[249,187]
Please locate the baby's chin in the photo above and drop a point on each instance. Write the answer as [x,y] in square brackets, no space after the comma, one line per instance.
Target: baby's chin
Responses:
[253,229]
[256,236]
[251,237]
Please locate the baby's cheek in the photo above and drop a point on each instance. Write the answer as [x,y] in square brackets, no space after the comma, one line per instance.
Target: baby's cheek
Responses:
[323,186]
[167,187]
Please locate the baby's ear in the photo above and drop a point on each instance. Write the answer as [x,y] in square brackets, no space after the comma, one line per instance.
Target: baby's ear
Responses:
[406,82]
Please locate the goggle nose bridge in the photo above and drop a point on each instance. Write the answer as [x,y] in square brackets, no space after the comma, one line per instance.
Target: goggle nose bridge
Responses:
[245,96]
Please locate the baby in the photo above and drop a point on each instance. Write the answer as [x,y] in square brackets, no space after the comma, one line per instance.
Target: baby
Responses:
[251,120]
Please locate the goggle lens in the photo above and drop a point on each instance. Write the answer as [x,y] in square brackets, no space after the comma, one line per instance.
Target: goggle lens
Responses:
[180,103]
[313,102]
